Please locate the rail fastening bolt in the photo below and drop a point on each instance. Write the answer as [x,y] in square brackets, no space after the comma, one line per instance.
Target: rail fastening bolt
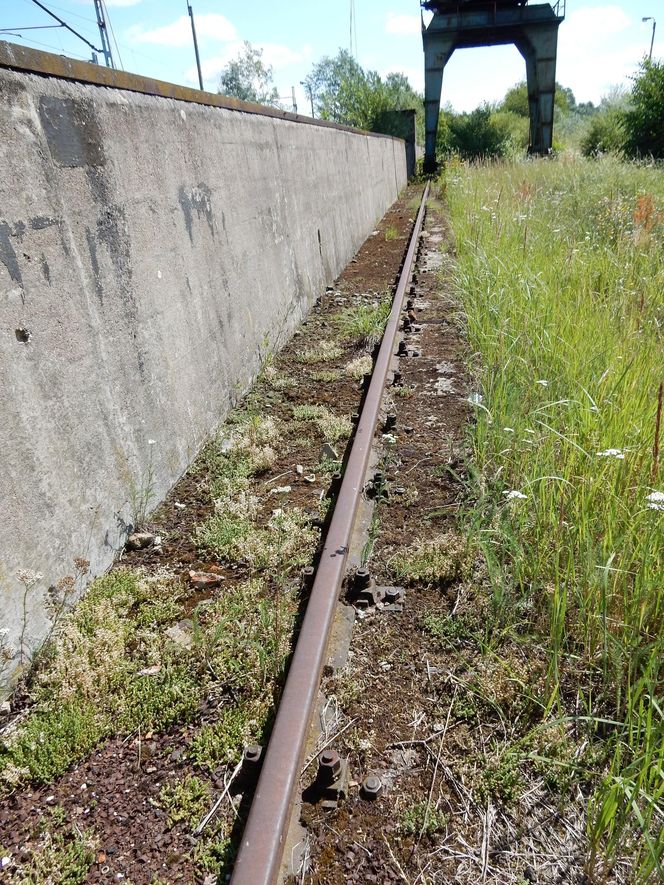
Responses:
[308,573]
[372,787]
[252,753]
[403,350]
[329,766]
[362,579]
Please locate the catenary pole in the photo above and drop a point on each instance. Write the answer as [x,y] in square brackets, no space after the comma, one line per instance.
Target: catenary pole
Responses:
[193,34]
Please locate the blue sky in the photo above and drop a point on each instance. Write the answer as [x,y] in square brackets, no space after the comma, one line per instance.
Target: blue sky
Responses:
[600,42]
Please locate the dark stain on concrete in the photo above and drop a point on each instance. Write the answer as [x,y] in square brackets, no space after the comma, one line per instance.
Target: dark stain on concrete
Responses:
[40,222]
[72,131]
[94,261]
[199,200]
[7,254]
[112,231]
[46,270]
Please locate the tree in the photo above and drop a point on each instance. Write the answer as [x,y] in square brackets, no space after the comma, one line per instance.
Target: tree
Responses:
[343,91]
[476,135]
[516,100]
[643,121]
[605,134]
[248,78]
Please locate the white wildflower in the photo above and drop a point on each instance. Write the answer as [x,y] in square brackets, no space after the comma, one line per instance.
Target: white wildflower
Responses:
[515,495]
[28,577]
[655,501]
[389,438]
[508,429]
[543,383]
[618,454]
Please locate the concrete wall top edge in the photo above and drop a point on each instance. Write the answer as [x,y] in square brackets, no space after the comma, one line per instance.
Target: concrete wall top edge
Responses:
[34,61]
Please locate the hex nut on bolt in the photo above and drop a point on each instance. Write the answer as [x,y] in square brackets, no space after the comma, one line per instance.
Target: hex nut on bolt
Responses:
[362,579]
[329,766]
[372,787]
[252,753]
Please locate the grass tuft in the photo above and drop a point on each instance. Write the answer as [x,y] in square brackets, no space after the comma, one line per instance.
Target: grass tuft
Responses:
[331,427]
[434,562]
[325,352]
[364,325]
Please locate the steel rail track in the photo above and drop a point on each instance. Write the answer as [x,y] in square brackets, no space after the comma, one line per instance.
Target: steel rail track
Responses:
[260,853]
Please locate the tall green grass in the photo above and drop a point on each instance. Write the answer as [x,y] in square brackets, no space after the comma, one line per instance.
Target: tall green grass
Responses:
[561,275]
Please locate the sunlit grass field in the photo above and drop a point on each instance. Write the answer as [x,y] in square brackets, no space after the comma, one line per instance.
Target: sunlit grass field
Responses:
[561,277]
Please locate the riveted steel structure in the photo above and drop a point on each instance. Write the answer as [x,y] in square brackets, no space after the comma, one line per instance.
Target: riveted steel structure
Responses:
[531,27]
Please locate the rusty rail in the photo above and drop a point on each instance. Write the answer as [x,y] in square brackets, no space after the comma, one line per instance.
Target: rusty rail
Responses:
[260,854]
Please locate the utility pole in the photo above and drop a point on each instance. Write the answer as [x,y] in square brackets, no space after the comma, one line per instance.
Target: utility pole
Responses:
[294,102]
[352,30]
[105,45]
[193,33]
[649,18]
[309,91]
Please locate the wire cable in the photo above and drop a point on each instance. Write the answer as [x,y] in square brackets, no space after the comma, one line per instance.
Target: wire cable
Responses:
[107,19]
[65,25]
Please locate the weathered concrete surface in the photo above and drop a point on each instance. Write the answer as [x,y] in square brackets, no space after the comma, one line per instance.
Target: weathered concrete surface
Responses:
[151,252]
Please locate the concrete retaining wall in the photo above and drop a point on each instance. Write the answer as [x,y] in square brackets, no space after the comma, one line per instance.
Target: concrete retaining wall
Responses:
[151,250]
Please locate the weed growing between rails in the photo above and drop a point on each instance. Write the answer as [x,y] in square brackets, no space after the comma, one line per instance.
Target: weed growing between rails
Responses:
[561,273]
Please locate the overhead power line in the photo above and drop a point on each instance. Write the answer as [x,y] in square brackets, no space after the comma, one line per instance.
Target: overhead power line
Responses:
[64,24]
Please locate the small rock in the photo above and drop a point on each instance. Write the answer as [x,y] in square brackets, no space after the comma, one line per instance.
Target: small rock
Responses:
[204,580]
[280,490]
[310,478]
[299,469]
[157,540]
[180,633]
[5,708]
[150,671]
[179,506]
[328,452]
[140,541]
[5,861]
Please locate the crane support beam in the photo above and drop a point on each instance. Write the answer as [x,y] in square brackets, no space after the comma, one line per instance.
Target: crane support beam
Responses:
[460,25]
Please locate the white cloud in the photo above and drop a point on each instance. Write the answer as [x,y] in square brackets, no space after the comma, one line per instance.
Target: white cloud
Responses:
[599,46]
[276,54]
[209,26]
[593,24]
[403,25]
[280,56]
